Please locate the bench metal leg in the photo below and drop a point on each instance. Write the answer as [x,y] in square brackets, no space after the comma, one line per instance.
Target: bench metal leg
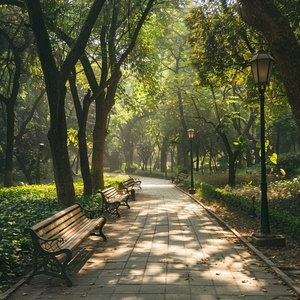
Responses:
[44,263]
[132,193]
[101,231]
[125,201]
[113,208]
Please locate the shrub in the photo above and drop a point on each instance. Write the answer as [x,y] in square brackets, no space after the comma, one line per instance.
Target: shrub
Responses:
[129,169]
[290,163]
[211,193]
[278,218]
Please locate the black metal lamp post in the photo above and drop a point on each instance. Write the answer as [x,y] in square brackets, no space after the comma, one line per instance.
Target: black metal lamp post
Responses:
[261,65]
[191,134]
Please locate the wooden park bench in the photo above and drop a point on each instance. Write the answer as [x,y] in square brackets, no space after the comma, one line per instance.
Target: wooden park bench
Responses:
[112,199]
[55,238]
[130,184]
[179,178]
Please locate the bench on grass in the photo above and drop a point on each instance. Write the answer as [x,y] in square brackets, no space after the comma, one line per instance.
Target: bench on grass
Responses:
[180,177]
[112,199]
[55,238]
[130,184]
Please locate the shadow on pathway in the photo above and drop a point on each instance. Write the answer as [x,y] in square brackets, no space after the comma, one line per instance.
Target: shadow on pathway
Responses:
[165,247]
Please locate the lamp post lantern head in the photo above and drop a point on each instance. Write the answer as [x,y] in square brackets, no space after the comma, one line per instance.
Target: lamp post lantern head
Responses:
[261,66]
[191,133]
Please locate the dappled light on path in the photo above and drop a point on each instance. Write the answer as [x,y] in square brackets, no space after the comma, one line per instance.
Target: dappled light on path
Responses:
[167,247]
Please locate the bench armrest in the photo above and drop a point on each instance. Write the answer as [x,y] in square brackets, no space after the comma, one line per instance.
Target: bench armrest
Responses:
[42,243]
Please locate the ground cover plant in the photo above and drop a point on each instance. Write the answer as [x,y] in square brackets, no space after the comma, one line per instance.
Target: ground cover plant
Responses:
[24,206]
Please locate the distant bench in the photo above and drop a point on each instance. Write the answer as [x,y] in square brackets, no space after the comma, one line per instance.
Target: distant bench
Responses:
[112,199]
[180,177]
[55,238]
[130,185]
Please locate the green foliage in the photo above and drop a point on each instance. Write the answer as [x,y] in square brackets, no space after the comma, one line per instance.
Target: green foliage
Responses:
[241,144]
[290,163]
[128,168]
[21,207]
[280,219]
[72,137]
[219,40]
[181,169]
[24,206]
[286,222]
[273,158]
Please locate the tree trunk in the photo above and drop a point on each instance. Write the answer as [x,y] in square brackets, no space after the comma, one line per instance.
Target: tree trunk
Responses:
[55,81]
[127,144]
[57,137]
[83,154]
[10,122]
[82,116]
[104,94]
[99,135]
[8,174]
[232,156]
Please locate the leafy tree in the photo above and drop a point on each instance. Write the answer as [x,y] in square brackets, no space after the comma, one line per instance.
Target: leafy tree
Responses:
[176,72]
[118,30]
[127,24]
[15,40]
[56,76]
[219,43]
[277,21]
[28,138]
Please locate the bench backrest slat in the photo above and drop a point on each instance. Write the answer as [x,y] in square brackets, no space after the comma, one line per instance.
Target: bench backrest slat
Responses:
[129,182]
[110,192]
[54,225]
[71,230]
[59,227]
[183,175]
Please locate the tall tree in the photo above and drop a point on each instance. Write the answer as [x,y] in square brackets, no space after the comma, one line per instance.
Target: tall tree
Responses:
[56,77]
[14,39]
[176,72]
[219,42]
[113,54]
[277,26]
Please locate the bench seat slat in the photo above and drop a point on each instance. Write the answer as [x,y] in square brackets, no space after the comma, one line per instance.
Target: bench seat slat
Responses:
[56,227]
[68,232]
[81,234]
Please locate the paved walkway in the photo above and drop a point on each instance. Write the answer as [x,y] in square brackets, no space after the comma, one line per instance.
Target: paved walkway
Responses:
[165,247]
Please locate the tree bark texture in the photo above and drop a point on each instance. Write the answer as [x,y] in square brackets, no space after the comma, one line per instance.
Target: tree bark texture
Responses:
[99,135]
[82,116]
[10,103]
[8,174]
